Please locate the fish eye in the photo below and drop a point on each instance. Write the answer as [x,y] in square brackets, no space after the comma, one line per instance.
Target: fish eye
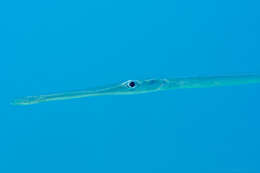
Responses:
[131,84]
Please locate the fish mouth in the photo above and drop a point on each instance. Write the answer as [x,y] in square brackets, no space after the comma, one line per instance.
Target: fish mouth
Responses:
[26,100]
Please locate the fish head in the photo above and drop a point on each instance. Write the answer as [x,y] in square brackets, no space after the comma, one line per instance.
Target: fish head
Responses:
[137,86]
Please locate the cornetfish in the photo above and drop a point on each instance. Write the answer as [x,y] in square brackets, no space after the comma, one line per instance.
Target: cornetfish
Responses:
[144,86]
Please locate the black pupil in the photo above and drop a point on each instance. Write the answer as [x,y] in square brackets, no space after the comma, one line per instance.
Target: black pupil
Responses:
[132,84]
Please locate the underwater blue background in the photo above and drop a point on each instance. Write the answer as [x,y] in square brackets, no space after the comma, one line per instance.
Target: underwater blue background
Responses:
[56,46]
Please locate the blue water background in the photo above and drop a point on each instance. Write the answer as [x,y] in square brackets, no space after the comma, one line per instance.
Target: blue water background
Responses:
[55,46]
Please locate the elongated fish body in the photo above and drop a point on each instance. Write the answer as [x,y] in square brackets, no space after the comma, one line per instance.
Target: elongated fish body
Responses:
[206,82]
[144,86]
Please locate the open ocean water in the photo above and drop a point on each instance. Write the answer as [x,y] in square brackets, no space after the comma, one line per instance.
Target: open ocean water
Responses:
[55,46]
